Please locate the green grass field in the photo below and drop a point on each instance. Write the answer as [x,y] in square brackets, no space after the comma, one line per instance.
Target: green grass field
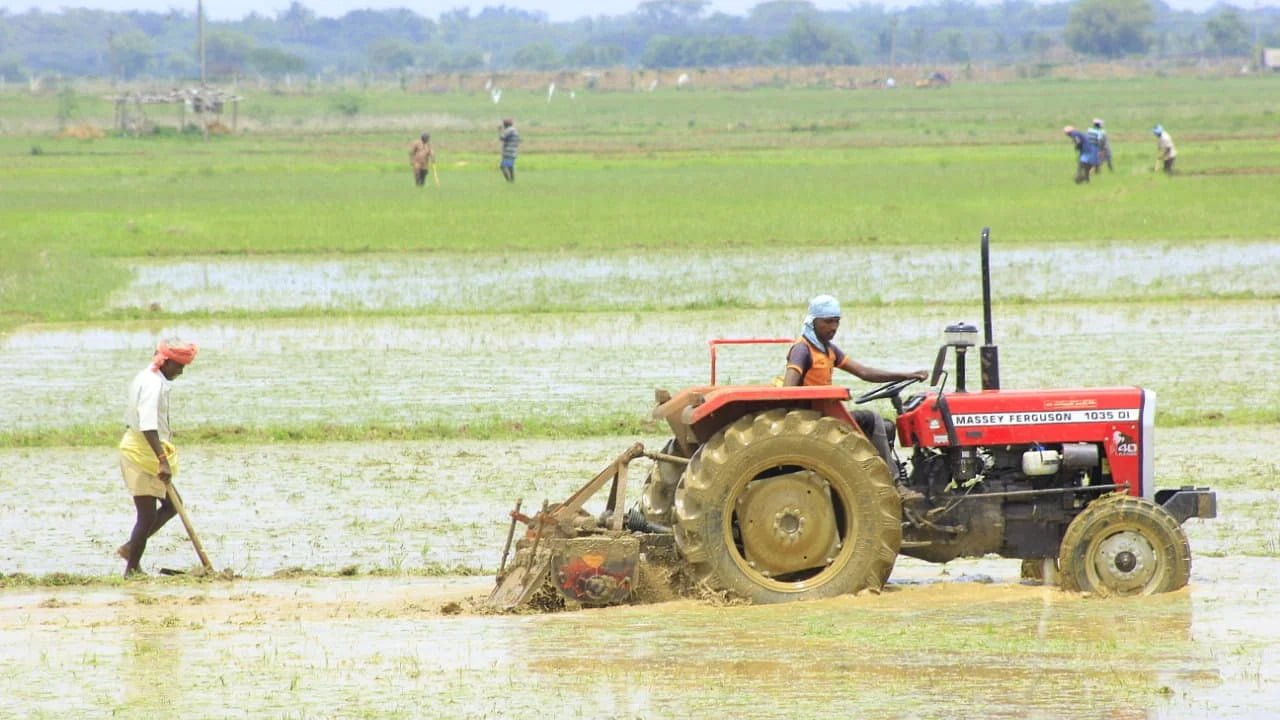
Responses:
[654,174]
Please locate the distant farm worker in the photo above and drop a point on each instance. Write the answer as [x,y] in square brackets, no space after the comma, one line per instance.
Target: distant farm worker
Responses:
[1099,138]
[148,459]
[421,158]
[1165,151]
[1086,153]
[510,146]
[813,357]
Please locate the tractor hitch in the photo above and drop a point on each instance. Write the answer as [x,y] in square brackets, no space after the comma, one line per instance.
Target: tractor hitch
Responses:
[589,560]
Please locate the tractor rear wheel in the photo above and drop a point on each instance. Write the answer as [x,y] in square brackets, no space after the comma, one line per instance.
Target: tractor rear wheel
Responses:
[1122,545]
[788,505]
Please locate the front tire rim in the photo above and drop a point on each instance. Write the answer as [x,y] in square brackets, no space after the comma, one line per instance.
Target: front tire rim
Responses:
[1125,561]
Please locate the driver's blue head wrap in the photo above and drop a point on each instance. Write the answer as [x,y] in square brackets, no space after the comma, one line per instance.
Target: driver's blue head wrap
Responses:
[821,306]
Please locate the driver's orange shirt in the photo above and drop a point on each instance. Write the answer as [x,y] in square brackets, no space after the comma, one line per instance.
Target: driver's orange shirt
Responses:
[814,365]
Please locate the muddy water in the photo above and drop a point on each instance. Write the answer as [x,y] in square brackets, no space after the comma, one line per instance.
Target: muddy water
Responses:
[562,280]
[1199,356]
[378,648]
[961,640]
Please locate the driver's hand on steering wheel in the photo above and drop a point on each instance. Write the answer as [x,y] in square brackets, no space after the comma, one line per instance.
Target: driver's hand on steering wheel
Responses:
[920,375]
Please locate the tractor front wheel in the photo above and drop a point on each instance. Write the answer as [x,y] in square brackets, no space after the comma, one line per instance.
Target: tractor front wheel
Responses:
[788,505]
[1121,545]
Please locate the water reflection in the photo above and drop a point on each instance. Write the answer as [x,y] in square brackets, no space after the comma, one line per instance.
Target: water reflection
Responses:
[151,665]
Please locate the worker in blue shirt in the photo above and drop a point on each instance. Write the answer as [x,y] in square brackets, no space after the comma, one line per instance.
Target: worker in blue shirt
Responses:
[1087,153]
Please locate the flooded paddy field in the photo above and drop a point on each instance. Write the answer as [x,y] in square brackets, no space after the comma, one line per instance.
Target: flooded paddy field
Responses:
[425,506]
[1199,356]
[358,566]
[579,337]
[964,639]
[569,280]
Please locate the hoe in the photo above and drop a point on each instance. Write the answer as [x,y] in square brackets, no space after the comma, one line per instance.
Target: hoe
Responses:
[773,494]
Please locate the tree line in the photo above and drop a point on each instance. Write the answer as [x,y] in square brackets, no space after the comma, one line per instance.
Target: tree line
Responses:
[657,34]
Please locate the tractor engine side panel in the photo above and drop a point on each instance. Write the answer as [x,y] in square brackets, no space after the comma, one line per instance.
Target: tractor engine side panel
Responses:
[1119,420]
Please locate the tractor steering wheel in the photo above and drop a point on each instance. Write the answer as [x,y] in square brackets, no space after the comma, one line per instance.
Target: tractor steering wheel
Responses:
[889,389]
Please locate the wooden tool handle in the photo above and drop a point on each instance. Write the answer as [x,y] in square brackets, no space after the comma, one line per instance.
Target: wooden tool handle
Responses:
[186,523]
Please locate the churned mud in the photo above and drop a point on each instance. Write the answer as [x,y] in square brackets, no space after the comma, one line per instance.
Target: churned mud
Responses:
[961,640]
[968,643]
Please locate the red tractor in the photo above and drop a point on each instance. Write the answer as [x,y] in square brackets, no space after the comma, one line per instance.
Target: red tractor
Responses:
[774,493]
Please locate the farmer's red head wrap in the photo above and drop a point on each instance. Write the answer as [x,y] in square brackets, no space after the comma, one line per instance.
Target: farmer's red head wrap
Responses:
[176,350]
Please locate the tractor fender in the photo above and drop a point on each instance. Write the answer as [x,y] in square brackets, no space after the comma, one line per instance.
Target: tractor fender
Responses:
[719,406]
[1188,502]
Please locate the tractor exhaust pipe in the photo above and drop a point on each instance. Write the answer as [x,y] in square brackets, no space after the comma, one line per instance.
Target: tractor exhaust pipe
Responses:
[989,353]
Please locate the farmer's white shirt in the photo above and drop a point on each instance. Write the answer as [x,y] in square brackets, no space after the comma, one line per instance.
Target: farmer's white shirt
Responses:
[148,407]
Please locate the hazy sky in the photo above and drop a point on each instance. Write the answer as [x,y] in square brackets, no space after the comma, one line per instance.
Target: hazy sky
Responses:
[555,9]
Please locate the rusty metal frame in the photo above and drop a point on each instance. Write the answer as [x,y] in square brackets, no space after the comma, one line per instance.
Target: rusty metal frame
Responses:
[561,516]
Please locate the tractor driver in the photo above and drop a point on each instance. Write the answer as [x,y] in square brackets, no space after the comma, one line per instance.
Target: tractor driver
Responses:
[813,357]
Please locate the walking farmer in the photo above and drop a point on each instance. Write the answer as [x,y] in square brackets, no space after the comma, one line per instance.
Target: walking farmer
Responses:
[421,158]
[510,146]
[1165,151]
[148,459]
[1099,137]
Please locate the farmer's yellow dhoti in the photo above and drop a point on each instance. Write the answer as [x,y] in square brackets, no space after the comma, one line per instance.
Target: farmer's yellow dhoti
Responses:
[140,466]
